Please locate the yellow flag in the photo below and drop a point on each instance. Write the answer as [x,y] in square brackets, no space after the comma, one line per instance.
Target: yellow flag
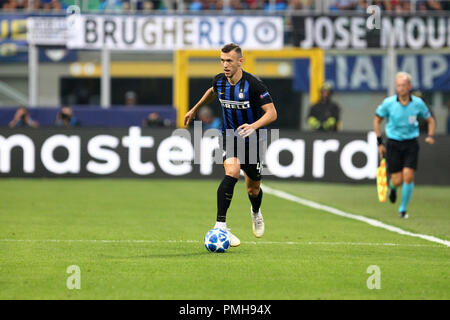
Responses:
[382,185]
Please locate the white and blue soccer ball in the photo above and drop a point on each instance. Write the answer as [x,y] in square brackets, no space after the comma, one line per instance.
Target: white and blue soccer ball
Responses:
[217,240]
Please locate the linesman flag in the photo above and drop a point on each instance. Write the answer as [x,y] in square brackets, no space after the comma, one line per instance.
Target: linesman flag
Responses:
[382,185]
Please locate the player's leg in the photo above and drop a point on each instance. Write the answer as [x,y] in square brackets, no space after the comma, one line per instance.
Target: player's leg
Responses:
[408,173]
[396,179]
[394,159]
[254,192]
[226,188]
[225,194]
[253,183]
[407,190]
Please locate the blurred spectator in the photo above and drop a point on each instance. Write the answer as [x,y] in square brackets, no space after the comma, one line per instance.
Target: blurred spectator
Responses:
[362,5]
[206,116]
[154,120]
[22,119]
[110,5]
[254,4]
[130,98]
[15,5]
[397,6]
[325,115]
[133,5]
[209,4]
[3,3]
[300,4]
[278,6]
[20,4]
[445,5]
[50,4]
[383,4]
[342,5]
[425,5]
[148,5]
[145,5]
[402,6]
[126,6]
[196,5]
[89,5]
[37,4]
[66,118]
[219,5]
[236,5]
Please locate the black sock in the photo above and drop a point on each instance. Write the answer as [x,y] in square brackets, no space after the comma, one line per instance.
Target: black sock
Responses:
[224,196]
[256,201]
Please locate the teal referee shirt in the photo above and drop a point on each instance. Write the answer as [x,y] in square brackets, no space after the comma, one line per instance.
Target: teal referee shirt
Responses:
[402,121]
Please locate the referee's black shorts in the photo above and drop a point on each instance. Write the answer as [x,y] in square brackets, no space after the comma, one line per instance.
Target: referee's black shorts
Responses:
[401,154]
[247,153]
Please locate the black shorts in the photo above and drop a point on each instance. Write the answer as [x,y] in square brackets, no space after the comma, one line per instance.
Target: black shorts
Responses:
[401,154]
[249,155]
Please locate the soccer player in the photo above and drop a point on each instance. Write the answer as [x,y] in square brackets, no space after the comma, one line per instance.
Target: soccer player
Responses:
[402,130]
[246,108]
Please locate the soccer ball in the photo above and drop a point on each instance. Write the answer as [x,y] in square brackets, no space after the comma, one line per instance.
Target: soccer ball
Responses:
[217,240]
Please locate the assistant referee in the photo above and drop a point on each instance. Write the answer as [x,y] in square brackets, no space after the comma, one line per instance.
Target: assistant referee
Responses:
[402,130]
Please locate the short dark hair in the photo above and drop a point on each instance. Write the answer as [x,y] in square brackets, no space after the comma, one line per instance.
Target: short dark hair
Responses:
[232,47]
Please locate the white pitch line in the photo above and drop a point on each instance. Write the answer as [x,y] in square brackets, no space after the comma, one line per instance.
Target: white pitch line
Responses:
[387,244]
[341,243]
[372,222]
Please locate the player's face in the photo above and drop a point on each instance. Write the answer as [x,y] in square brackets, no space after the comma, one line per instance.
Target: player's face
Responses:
[231,63]
[402,86]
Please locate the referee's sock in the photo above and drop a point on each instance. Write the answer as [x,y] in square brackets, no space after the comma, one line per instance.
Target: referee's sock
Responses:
[392,192]
[407,189]
[391,185]
[224,196]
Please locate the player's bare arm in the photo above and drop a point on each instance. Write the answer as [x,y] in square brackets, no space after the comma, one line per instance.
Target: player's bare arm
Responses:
[376,127]
[270,115]
[431,126]
[207,98]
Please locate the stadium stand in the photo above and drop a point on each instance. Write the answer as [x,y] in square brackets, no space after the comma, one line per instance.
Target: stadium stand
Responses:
[397,6]
[131,65]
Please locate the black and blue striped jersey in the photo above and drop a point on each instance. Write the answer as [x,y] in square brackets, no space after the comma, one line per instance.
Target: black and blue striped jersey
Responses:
[241,103]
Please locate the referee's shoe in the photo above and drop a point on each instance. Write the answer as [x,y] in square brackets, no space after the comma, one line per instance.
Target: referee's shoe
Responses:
[392,195]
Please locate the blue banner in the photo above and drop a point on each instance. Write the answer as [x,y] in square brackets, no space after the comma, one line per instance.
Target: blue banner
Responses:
[13,37]
[14,45]
[45,55]
[371,73]
[13,29]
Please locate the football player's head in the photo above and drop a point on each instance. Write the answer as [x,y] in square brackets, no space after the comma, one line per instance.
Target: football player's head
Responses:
[231,58]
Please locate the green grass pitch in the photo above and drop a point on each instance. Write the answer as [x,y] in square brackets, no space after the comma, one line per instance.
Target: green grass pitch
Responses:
[47,225]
